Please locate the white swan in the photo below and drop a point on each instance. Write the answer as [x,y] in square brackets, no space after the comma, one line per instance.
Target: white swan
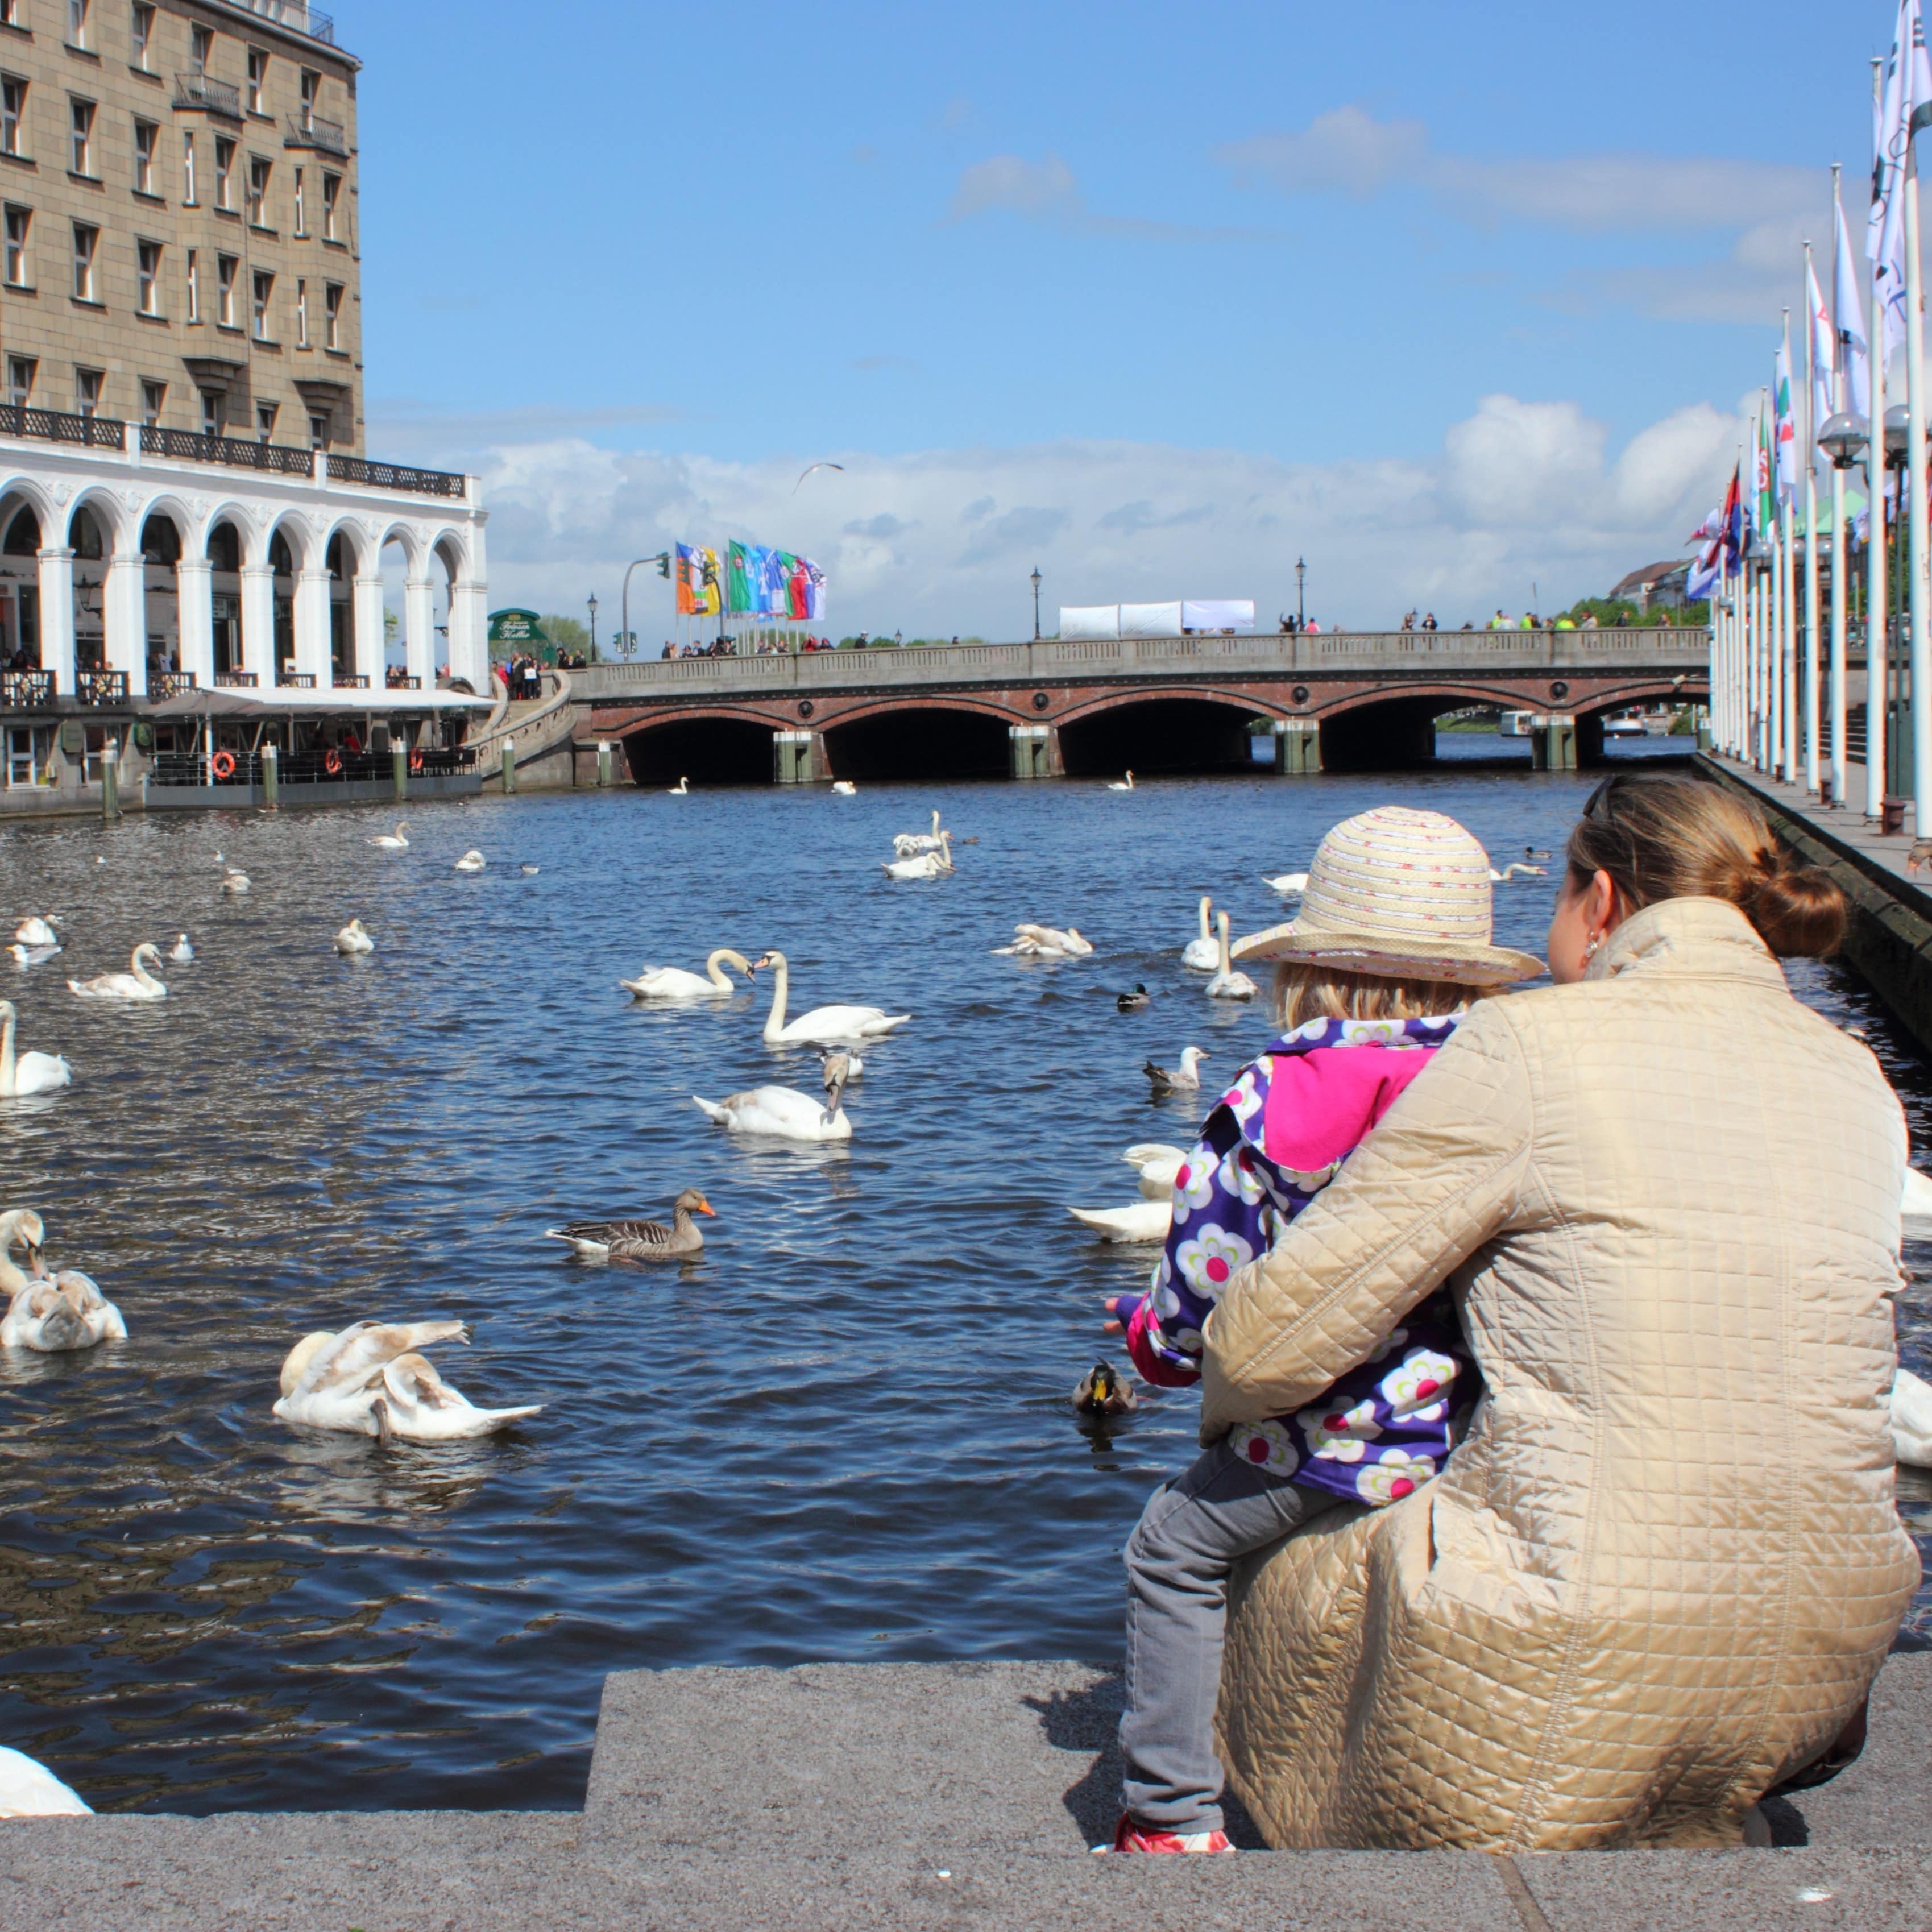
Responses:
[831,1024]
[354,938]
[680,790]
[30,1790]
[1227,984]
[35,931]
[24,956]
[843,788]
[392,841]
[1915,1203]
[1517,870]
[20,1228]
[1045,942]
[907,843]
[370,1380]
[181,952]
[471,861]
[785,1112]
[1156,1163]
[1201,952]
[1293,884]
[927,866]
[1912,1419]
[237,881]
[1144,1221]
[136,983]
[32,1072]
[672,983]
[1122,784]
[53,1317]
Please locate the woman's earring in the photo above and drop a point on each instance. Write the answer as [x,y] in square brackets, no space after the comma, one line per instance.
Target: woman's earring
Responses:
[1590,946]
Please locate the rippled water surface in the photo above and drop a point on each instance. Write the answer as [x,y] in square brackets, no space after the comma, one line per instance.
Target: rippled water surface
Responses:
[844,1433]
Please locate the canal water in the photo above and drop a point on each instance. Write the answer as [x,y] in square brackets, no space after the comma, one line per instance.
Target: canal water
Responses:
[844,1433]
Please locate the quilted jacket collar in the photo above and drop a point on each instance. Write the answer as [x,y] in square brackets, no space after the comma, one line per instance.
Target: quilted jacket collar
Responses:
[1688,938]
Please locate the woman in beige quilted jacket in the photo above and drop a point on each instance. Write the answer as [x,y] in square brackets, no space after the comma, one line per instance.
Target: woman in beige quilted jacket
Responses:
[1661,1572]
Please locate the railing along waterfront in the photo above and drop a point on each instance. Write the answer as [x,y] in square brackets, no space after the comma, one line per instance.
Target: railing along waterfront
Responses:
[311,767]
[1422,653]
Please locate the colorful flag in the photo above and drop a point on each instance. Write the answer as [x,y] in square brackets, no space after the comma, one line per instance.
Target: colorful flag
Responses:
[1904,106]
[697,582]
[1760,502]
[1824,341]
[1785,430]
[737,581]
[772,601]
[1737,536]
[1853,365]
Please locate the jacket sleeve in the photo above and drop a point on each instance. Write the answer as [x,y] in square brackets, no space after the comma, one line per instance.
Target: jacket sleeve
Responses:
[1435,1179]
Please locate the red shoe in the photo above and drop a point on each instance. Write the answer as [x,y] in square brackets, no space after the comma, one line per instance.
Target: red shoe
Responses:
[1133,1837]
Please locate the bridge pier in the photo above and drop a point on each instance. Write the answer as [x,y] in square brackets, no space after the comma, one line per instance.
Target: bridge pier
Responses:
[798,757]
[1033,751]
[1552,742]
[1295,751]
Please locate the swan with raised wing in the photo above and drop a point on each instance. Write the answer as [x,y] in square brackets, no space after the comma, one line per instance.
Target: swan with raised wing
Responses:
[370,1379]
[35,931]
[24,956]
[354,938]
[783,1112]
[1046,942]
[673,982]
[136,983]
[31,1072]
[822,1023]
[908,844]
[392,841]
[1201,952]
[1227,984]
[56,1315]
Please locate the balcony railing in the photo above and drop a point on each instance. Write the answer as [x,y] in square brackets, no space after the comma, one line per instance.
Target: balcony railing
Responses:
[236,680]
[204,92]
[352,681]
[297,680]
[26,690]
[297,15]
[171,684]
[329,137]
[101,687]
[187,445]
[52,426]
[395,681]
[394,476]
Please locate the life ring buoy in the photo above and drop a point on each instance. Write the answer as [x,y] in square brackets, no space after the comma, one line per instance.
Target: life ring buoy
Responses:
[332,764]
[223,764]
[415,761]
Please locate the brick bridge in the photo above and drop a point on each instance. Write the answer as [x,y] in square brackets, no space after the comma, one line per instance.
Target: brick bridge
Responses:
[1347,700]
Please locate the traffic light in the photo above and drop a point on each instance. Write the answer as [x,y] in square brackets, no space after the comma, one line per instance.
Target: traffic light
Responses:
[664,563]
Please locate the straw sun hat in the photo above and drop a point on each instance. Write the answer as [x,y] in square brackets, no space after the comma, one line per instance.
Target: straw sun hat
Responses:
[1401,893]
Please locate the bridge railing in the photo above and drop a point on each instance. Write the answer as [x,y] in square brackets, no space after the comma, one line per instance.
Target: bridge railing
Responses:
[1388,652]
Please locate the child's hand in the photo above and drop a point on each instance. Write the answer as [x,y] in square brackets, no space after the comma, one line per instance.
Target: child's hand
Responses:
[1121,1307]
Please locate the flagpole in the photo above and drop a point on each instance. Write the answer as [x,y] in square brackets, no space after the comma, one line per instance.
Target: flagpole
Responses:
[1921,644]
[1812,426]
[1787,600]
[1875,586]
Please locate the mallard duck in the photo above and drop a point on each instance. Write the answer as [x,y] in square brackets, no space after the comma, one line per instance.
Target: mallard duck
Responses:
[471,861]
[353,938]
[136,983]
[1102,1393]
[1132,1002]
[639,1241]
[54,1316]
[30,1073]
[370,1380]
[1185,1079]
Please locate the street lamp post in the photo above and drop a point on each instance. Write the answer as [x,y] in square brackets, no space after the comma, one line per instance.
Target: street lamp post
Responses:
[591,600]
[1300,593]
[1036,603]
[625,618]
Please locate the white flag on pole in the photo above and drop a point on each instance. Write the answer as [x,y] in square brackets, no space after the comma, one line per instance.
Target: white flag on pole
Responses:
[1824,340]
[1852,361]
[1904,106]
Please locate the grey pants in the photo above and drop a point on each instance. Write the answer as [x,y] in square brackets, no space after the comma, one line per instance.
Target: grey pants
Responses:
[1178,1558]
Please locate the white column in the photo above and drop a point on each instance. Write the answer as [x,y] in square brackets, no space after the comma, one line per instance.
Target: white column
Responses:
[258,623]
[366,629]
[57,617]
[1773,589]
[469,620]
[419,629]
[1838,603]
[123,617]
[1914,508]
[1875,597]
[1812,426]
[194,597]
[311,620]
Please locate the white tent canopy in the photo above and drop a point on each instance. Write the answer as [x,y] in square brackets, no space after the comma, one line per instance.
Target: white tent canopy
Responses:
[1083,622]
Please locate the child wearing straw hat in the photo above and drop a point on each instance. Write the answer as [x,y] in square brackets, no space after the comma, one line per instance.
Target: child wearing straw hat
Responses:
[1393,942]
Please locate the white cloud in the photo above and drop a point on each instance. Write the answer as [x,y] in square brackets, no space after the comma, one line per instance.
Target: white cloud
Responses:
[1344,152]
[941,541]
[1047,190]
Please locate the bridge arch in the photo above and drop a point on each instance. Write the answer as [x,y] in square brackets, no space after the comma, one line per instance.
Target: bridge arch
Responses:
[725,746]
[1198,729]
[935,737]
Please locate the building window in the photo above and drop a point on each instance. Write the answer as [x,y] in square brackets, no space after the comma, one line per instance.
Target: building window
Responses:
[224,167]
[301,204]
[311,86]
[77,11]
[265,287]
[153,395]
[13,115]
[19,221]
[81,119]
[331,187]
[214,413]
[258,76]
[10,13]
[301,314]
[86,240]
[265,422]
[145,135]
[332,306]
[318,432]
[193,285]
[148,276]
[188,168]
[144,35]
[200,42]
[225,266]
[87,392]
[258,191]
[20,379]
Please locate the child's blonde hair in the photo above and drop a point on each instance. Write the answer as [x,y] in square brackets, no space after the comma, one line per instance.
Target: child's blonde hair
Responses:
[1304,991]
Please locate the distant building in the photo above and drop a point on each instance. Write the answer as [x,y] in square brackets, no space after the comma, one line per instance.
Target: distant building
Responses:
[1661,584]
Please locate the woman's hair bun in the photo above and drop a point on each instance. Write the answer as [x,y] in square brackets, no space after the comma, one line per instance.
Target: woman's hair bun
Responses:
[1798,910]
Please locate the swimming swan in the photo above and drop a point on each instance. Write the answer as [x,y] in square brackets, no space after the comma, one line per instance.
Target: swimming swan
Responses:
[843,788]
[1045,942]
[672,983]
[392,841]
[20,1228]
[181,952]
[1120,784]
[1912,1421]
[32,1072]
[30,1790]
[1517,870]
[1293,884]
[353,938]
[783,1112]
[680,790]
[35,931]
[236,881]
[1157,1164]
[370,1380]
[831,1024]
[927,866]
[1227,984]
[1201,952]
[639,1241]
[55,1316]
[471,861]
[24,956]
[908,844]
[136,983]
[1144,1221]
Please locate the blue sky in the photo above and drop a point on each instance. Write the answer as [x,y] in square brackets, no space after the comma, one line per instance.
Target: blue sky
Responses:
[1155,297]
